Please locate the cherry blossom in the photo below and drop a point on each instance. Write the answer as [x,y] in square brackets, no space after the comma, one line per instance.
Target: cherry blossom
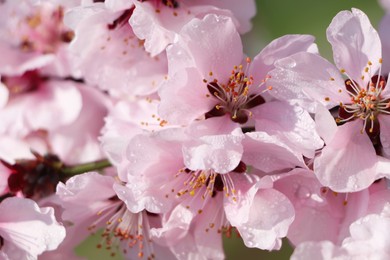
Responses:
[32,36]
[311,81]
[124,232]
[180,171]
[205,82]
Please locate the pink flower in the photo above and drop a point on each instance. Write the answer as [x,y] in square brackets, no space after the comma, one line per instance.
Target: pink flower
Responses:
[233,95]
[363,98]
[159,22]
[124,231]
[188,169]
[116,60]
[26,230]
[205,82]
[32,36]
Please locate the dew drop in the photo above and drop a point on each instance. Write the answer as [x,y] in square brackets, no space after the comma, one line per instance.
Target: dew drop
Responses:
[303,192]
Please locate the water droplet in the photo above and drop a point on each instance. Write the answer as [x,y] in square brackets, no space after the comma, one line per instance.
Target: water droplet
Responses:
[303,192]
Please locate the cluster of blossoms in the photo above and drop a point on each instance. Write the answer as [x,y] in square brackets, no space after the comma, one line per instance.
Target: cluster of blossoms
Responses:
[144,123]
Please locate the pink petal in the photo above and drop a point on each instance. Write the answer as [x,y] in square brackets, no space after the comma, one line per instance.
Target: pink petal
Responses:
[325,124]
[324,250]
[78,142]
[385,38]
[137,200]
[385,4]
[55,97]
[291,123]
[29,227]
[16,62]
[175,226]
[126,120]
[243,11]
[118,5]
[384,123]
[207,238]
[354,42]
[153,28]
[348,162]
[5,173]
[269,153]
[267,216]
[13,148]
[369,237]
[207,42]
[278,49]
[79,189]
[221,153]
[383,167]
[379,202]
[160,152]
[4,93]
[184,98]
[305,79]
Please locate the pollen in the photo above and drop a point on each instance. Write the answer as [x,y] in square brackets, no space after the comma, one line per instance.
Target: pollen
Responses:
[236,96]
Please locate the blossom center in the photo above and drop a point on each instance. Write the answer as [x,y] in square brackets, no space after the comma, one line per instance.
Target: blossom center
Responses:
[207,182]
[366,104]
[235,97]
[123,228]
[28,82]
[44,31]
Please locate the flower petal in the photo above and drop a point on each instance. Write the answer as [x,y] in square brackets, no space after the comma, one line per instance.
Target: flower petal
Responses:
[268,214]
[384,123]
[278,49]
[29,227]
[306,79]
[354,42]
[292,123]
[269,153]
[221,153]
[348,162]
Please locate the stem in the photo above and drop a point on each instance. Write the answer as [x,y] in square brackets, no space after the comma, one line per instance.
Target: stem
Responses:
[86,167]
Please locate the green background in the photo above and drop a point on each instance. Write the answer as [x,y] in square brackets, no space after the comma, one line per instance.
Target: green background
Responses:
[276,18]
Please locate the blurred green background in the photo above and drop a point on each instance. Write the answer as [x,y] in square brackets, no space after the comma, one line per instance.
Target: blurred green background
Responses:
[274,19]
